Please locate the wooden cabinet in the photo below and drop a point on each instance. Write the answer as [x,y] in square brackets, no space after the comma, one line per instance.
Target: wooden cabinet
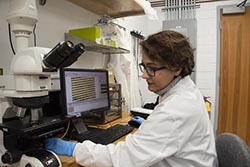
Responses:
[112,8]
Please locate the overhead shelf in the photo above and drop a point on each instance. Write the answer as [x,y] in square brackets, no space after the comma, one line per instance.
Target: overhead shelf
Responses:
[92,46]
[112,8]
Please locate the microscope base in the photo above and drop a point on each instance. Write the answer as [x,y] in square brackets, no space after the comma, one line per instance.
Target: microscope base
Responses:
[39,158]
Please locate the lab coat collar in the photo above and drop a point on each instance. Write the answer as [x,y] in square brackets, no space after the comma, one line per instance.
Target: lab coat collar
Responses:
[169,86]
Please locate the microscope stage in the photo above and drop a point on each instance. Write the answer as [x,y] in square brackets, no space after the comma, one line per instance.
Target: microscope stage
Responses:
[22,127]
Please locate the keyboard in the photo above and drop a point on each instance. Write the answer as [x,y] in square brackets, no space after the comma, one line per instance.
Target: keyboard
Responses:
[104,136]
[142,112]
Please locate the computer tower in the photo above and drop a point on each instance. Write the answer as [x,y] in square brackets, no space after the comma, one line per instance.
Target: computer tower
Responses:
[115,110]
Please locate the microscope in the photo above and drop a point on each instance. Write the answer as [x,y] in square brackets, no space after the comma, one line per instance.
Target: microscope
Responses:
[25,91]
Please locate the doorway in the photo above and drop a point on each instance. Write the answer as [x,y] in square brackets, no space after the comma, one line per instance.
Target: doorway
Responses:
[234,74]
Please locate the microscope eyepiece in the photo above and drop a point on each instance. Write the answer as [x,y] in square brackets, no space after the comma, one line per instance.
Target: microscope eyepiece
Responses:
[65,49]
[62,55]
[57,55]
[78,51]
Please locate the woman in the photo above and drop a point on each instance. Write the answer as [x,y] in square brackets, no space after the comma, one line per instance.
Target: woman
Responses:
[178,133]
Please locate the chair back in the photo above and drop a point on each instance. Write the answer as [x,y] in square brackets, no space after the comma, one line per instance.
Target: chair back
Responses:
[232,151]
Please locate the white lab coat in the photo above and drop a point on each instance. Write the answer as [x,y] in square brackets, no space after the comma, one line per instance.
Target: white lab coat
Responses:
[177,134]
[125,70]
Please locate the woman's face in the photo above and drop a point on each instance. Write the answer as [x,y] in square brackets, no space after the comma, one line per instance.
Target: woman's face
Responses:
[162,77]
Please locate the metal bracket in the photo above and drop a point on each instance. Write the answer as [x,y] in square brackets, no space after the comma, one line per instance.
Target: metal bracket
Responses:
[233,10]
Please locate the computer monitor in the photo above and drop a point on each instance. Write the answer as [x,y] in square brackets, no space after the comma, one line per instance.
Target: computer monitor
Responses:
[84,91]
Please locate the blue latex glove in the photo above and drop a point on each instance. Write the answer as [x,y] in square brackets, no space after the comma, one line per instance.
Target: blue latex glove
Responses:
[138,119]
[60,146]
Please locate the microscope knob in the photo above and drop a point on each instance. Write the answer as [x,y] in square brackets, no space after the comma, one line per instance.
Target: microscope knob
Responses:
[11,157]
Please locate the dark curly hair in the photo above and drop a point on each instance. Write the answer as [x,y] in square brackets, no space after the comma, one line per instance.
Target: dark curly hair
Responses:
[170,49]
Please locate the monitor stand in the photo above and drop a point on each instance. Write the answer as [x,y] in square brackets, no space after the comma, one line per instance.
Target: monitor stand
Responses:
[82,132]
[80,127]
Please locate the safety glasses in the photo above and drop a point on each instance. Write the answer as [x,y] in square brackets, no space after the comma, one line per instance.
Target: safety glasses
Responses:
[150,70]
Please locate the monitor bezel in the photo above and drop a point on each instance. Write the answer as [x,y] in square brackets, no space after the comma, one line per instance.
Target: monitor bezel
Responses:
[63,91]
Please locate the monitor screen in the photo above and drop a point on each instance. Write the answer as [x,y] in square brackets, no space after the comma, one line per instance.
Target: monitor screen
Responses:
[84,91]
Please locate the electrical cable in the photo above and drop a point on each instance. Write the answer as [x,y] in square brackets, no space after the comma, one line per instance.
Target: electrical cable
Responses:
[10,40]
[67,129]
[243,3]
[42,2]
[34,34]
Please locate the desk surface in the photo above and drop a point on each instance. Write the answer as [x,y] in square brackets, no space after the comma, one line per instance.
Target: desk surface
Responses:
[70,161]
